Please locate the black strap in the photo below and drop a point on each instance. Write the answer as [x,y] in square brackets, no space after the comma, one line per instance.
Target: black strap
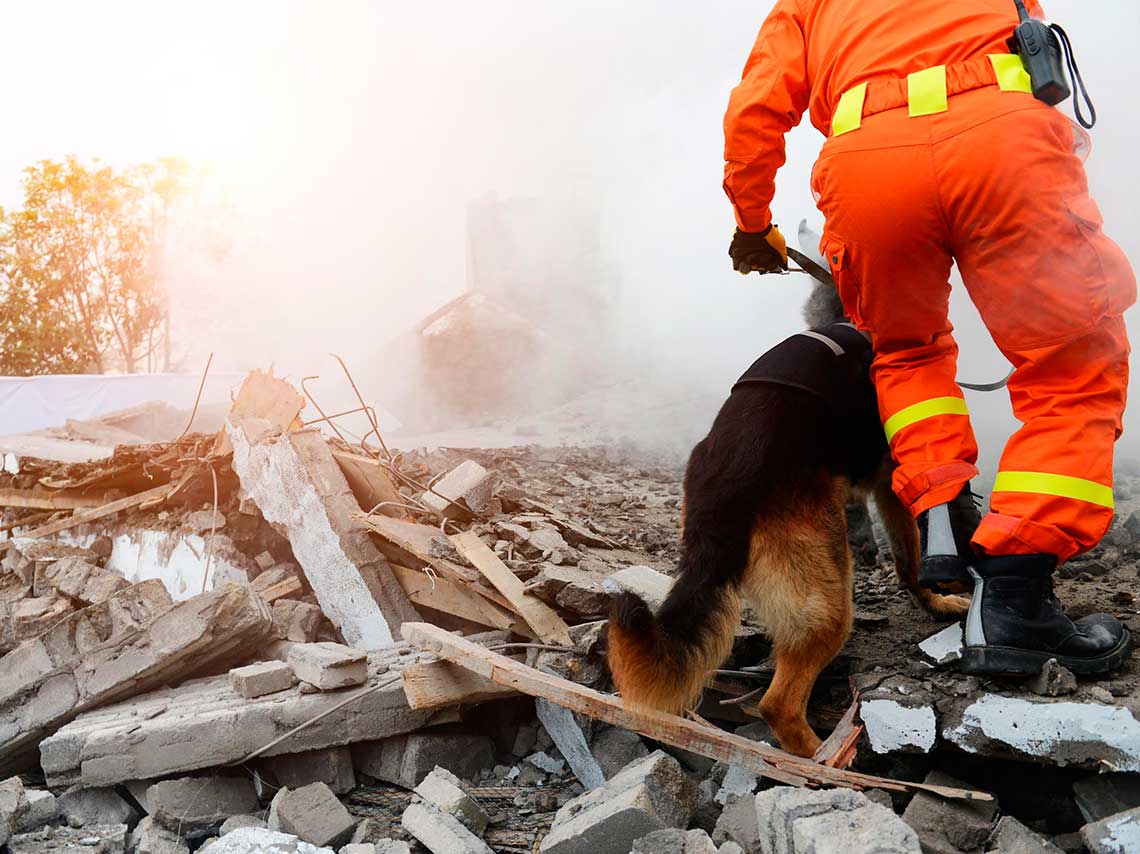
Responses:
[1078,81]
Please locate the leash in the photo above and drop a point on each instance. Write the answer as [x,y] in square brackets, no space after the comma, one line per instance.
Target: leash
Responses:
[817,272]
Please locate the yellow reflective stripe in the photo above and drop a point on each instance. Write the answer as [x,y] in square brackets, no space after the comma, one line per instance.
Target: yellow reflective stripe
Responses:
[849,112]
[1010,72]
[925,409]
[926,91]
[1060,485]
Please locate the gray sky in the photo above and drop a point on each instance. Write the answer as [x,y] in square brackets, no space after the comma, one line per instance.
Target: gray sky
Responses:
[352,135]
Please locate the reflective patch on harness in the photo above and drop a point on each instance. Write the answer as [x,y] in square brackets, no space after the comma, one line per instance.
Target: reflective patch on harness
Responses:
[926,91]
[1061,485]
[848,113]
[921,411]
[1010,72]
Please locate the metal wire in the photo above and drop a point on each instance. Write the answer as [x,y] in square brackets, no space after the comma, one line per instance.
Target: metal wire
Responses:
[198,399]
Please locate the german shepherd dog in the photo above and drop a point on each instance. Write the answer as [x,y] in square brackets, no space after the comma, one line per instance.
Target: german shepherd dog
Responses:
[764,519]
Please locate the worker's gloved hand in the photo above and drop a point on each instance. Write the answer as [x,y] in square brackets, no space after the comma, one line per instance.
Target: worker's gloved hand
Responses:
[764,251]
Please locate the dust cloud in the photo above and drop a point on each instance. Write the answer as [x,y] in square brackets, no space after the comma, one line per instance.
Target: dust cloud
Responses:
[350,140]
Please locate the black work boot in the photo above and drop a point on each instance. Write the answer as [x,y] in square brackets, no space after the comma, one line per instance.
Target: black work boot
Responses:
[1015,623]
[945,531]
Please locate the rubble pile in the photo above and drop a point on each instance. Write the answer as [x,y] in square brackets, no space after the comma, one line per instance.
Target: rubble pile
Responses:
[268,640]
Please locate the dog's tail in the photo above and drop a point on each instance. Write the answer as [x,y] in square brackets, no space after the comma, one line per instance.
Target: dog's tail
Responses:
[663,661]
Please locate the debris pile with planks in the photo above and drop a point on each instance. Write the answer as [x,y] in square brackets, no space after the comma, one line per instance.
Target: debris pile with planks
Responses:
[266,639]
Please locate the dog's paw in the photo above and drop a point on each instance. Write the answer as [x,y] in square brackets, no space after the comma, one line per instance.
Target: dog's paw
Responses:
[945,607]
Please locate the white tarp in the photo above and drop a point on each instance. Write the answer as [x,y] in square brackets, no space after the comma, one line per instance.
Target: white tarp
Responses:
[35,403]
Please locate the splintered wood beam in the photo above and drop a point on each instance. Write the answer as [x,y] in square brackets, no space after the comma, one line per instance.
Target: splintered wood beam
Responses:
[838,749]
[706,741]
[451,598]
[49,499]
[282,590]
[151,496]
[436,684]
[538,615]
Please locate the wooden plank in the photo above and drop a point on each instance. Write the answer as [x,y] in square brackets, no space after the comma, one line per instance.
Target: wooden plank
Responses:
[370,483]
[282,590]
[713,743]
[838,749]
[433,548]
[49,499]
[538,615]
[151,497]
[451,598]
[435,684]
[265,396]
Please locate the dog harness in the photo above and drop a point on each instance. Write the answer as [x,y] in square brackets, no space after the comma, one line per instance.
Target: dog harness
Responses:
[808,361]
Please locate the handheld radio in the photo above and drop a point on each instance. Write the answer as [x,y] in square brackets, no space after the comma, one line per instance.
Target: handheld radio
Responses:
[1045,50]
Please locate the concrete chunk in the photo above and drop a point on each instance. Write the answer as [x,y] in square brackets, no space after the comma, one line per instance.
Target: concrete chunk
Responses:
[81,807]
[124,646]
[313,814]
[1066,734]
[256,840]
[673,841]
[328,666]
[88,583]
[193,806]
[297,621]
[468,483]
[445,792]
[205,724]
[567,736]
[150,837]
[332,766]
[406,760]
[946,826]
[13,805]
[1013,837]
[265,677]
[1101,795]
[806,821]
[896,724]
[439,832]
[42,808]
[1117,834]
[296,483]
[652,586]
[945,646]
[650,794]
[738,824]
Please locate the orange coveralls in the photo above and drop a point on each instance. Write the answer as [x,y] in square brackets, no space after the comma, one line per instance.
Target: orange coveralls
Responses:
[937,152]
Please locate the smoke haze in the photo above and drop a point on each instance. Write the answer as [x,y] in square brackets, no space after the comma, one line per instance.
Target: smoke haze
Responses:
[351,137]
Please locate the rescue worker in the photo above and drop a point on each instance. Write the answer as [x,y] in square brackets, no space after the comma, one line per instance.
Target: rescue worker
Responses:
[937,152]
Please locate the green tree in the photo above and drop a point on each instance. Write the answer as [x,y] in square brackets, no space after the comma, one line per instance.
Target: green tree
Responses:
[80,263]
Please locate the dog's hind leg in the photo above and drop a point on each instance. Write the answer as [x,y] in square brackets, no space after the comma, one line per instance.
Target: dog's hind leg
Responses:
[902,533]
[799,582]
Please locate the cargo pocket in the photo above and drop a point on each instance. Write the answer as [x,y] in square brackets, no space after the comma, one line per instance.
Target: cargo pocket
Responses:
[835,252]
[1115,288]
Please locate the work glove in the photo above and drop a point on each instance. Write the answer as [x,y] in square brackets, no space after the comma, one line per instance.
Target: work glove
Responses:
[764,251]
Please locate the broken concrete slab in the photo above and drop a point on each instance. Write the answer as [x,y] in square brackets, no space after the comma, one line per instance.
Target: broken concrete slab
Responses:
[446,792]
[297,621]
[1067,734]
[1117,834]
[652,586]
[92,839]
[256,840]
[187,564]
[119,648]
[651,794]
[235,821]
[29,618]
[805,821]
[737,781]
[468,484]
[439,832]
[328,666]
[150,837]
[205,724]
[264,677]
[13,805]
[571,589]
[313,814]
[898,724]
[298,485]
[84,581]
[42,808]
[944,647]
[947,827]
[614,748]
[1013,837]
[332,766]
[80,807]
[738,824]
[406,760]
[195,806]
[674,841]
[1101,795]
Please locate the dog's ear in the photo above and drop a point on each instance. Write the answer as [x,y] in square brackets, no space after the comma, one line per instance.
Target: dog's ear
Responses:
[823,306]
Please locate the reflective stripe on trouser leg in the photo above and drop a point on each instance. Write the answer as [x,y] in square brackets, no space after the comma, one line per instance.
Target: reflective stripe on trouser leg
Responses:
[923,410]
[1059,485]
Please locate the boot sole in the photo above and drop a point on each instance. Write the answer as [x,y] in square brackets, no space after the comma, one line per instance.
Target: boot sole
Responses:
[1007,660]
